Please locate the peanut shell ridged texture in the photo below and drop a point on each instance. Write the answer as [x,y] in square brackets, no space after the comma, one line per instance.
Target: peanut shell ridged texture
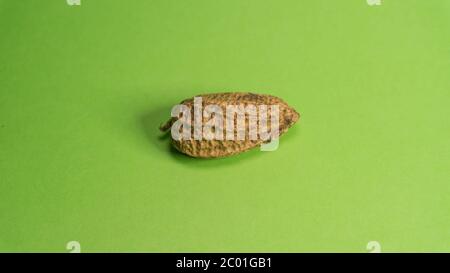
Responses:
[222,148]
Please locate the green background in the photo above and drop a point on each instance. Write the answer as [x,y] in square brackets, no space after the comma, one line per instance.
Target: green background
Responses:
[84,88]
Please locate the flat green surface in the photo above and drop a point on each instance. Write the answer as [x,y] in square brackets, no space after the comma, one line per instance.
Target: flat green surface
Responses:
[84,88]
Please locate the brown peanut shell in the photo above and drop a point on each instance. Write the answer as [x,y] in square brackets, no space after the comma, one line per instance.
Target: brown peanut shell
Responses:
[222,148]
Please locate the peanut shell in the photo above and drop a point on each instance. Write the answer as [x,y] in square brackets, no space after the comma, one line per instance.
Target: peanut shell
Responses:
[222,148]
